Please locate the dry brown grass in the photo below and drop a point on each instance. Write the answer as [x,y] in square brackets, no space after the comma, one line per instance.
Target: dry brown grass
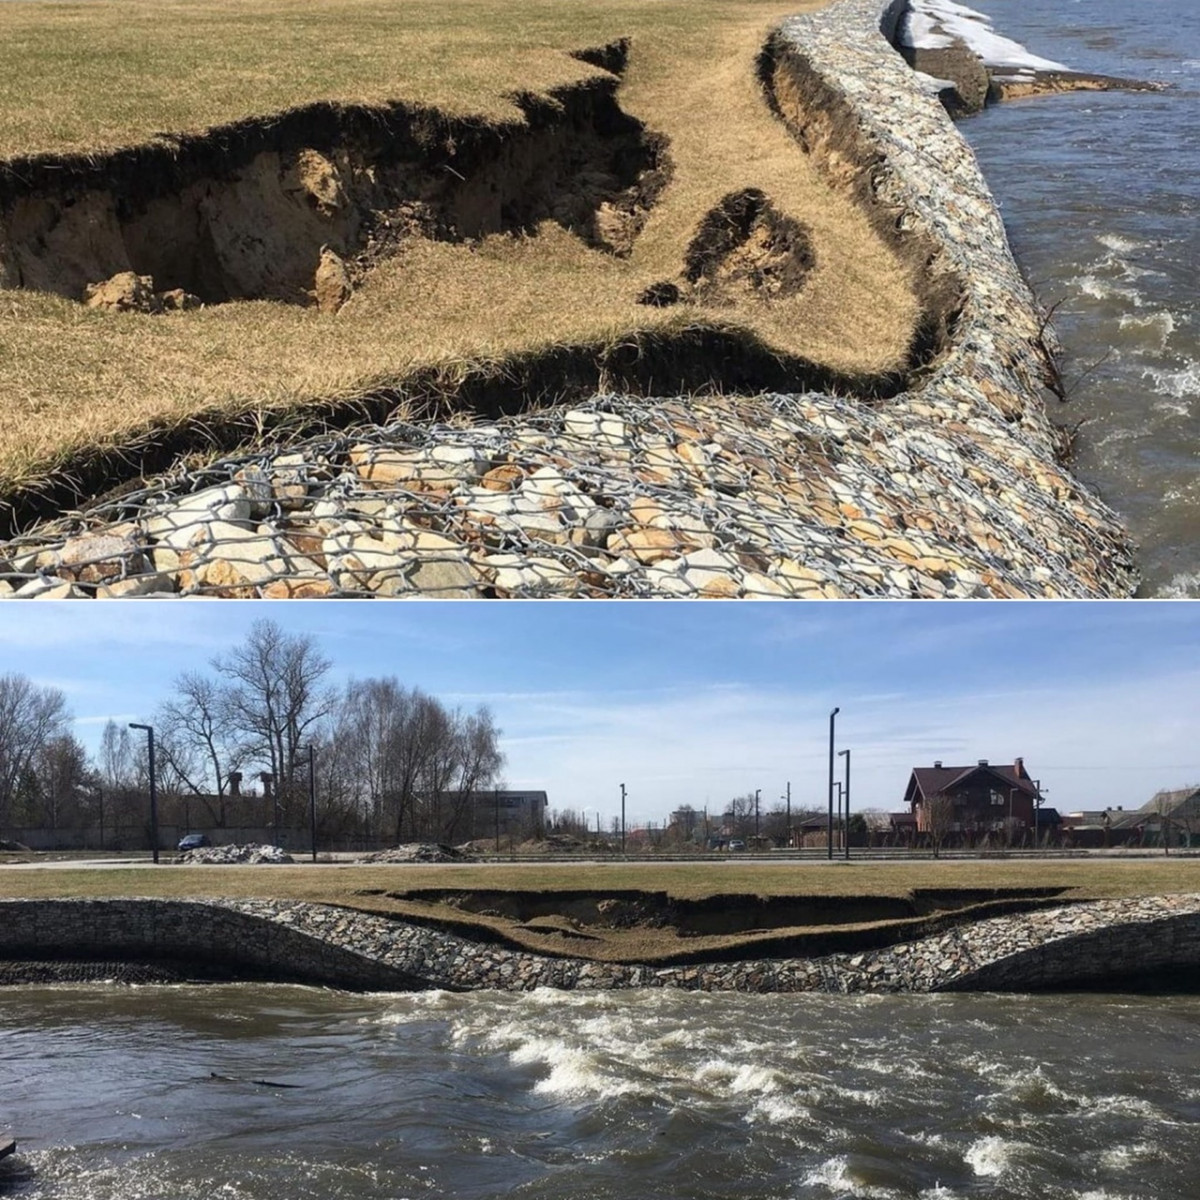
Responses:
[379,889]
[86,77]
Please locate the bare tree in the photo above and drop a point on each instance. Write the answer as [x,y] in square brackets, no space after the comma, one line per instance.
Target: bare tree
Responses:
[275,696]
[480,762]
[117,766]
[199,741]
[373,724]
[30,718]
[738,816]
[60,768]
[939,819]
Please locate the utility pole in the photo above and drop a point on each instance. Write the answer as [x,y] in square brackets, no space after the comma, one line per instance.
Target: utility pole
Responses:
[757,793]
[829,837]
[846,807]
[153,790]
[622,818]
[789,814]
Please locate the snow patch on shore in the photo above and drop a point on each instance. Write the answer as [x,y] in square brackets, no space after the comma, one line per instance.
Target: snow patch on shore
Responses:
[936,24]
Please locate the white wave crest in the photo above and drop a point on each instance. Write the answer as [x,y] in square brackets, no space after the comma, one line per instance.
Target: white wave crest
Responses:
[1121,1158]
[573,1070]
[835,1175]
[1181,384]
[1118,244]
[1161,324]
[1182,587]
[1102,289]
[990,1156]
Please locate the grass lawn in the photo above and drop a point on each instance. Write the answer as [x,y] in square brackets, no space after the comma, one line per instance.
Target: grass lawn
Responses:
[81,81]
[835,905]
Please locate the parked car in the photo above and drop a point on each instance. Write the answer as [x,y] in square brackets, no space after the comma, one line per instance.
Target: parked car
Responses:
[193,841]
[737,844]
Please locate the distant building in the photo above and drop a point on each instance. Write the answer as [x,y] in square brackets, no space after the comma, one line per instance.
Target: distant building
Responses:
[981,798]
[508,813]
[1170,812]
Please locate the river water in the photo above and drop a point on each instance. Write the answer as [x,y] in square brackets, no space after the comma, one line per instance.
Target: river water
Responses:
[1101,196]
[627,1096]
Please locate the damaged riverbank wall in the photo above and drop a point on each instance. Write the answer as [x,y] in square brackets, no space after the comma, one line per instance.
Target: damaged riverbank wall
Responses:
[1083,944]
[954,487]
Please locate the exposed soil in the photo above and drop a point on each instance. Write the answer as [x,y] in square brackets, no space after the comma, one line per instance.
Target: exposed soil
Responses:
[744,244]
[714,915]
[634,925]
[301,208]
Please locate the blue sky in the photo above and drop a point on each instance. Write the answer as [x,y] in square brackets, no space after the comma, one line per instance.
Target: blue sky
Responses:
[697,703]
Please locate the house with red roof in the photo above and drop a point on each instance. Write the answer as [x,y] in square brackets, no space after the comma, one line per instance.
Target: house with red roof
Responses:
[970,801]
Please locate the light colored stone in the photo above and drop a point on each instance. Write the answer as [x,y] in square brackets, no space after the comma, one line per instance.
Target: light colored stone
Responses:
[97,557]
[158,583]
[177,525]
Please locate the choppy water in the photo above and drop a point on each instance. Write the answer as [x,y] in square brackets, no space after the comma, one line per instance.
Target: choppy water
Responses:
[622,1095]
[1101,195]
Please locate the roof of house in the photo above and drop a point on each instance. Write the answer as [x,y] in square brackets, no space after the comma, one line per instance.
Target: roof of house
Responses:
[1168,800]
[930,781]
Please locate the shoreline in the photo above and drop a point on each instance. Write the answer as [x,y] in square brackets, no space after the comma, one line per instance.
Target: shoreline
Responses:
[1086,943]
[953,488]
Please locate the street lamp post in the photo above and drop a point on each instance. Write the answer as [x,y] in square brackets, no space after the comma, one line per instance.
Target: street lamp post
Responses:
[846,809]
[829,837]
[149,729]
[789,814]
[757,793]
[622,819]
[312,800]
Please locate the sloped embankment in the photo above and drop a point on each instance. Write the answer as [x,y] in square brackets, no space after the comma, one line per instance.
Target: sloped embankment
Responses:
[953,486]
[1126,942]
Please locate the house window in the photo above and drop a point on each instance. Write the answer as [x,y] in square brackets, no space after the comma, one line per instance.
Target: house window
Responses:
[997,797]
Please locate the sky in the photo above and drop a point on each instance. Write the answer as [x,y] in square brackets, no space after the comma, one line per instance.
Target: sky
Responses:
[696,703]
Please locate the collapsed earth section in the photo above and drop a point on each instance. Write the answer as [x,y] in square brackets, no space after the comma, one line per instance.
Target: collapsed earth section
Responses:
[299,209]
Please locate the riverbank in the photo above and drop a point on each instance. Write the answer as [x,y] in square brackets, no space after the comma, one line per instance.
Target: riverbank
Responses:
[954,486]
[1112,941]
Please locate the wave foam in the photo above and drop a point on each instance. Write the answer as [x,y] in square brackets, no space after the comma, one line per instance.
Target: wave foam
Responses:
[990,1156]
[1120,245]
[573,1071]
[1180,384]
[1161,323]
[835,1175]
[1182,587]
[1102,289]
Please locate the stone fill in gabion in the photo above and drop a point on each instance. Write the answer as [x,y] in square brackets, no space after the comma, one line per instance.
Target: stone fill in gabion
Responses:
[951,489]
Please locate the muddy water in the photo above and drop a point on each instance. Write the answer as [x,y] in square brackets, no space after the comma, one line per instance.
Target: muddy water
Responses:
[1101,195]
[617,1096]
